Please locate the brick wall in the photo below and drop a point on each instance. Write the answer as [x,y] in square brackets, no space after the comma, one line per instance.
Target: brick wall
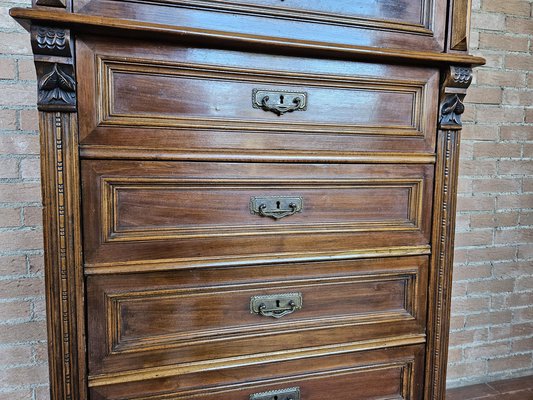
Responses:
[492,309]
[492,324]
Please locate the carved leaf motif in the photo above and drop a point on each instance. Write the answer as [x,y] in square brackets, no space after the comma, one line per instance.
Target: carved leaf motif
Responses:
[451,110]
[57,86]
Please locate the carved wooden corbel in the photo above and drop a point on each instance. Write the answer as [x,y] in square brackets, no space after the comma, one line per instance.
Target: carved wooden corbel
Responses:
[56,83]
[456,81]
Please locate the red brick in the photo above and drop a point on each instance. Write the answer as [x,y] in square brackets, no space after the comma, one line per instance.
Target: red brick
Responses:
[516,132]
[516,167]
[22,287]
[9,217]
[517,97]
[500,219]
[15,310]
[36,265]
[523,314]
[496,185]
[514,236]
[498,115]
[484,95]
[529,111]
[21,240]
[528,185]
[512,7]
[7,68]
[33,216]
[9,168]
[465,272]
[491,254]
[12,265]
[27,375]
[524,283]
[470,304]
[509,363]
[476,203]
[511,331]
[464,336]
[459,289]
[17,144]
[513,269]
[14,355]
[20,192]
[26,69]
[29,120]
[477,167]
[522,345]
[489,21]
[501,78]
[514,201]
[14,43]
[487,351]
[17,94]
[518,61]
[525,251]
[521,299]
[22,394]
[497,150]
[30,168]
[474,238]
[519,25]
[42,393]
[25,332]
[480,132]
[490,286]
[8,120]
[461,370]
[489,319]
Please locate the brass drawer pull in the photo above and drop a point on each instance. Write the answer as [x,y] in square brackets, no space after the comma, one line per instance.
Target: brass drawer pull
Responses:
[276,305]
[279,102]
[283,394]
[276,206]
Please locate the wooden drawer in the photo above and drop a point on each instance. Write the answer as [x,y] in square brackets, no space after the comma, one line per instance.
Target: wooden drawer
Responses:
[193,315]
[148,101]
[138,214]
[394,373]
[379,23]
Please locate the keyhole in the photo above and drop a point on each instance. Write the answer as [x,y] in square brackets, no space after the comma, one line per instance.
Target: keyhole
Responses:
[281,98]
[275,397]
[278,204]
[277,303]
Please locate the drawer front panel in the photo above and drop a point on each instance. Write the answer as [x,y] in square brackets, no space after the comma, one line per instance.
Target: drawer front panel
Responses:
[170,314]
[367,375]
[380,23]
[170,98]
[138,211]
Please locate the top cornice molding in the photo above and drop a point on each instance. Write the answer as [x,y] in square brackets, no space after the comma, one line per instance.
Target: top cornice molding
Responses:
[116,26]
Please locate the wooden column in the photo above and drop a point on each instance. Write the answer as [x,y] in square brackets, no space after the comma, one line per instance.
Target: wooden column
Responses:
[54,63]
[453,90]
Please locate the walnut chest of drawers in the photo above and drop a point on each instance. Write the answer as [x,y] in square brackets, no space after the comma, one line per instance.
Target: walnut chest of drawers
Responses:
[249,200]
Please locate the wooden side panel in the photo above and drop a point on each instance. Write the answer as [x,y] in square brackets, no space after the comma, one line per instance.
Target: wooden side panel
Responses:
[394,373]
[173,99]
[459,25]
[202,314]
[138,213]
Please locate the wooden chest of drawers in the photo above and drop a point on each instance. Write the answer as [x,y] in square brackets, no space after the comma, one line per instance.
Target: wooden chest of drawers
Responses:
[249,200]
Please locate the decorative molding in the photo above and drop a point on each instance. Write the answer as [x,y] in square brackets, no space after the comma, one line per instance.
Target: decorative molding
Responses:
[62,254]
[51,41]
[456,81]
[446,174]
[459,25]
[54,64]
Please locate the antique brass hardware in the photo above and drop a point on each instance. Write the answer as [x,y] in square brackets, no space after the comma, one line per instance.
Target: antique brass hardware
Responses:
[279,102]
[276,305]
[276,206]
[283,394]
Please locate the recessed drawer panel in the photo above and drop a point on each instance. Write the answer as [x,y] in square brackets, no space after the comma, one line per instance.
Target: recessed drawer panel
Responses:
[196,315]
[171,98]
[394,373]
[148,211]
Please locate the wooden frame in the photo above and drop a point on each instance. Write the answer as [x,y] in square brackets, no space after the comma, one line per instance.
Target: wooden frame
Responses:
[54,57]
